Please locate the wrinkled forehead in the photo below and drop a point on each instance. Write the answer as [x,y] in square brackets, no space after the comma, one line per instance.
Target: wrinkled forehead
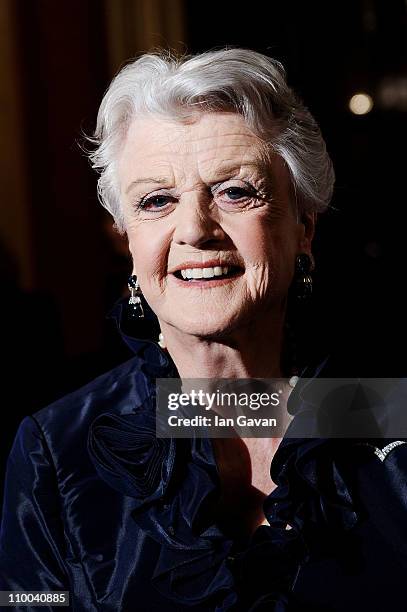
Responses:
[197,135]
[210,138]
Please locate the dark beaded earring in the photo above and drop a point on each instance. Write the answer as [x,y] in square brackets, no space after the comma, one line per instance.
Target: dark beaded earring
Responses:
[135,310]
[302,277]
[297,316]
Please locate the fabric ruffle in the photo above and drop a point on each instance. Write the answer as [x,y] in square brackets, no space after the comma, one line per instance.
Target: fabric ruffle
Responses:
[313,486]
[172,482]
[311,513]
[129,457]
[313,474]
[266,570]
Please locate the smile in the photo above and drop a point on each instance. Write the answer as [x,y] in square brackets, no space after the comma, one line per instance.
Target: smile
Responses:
[204,273]
[207,275]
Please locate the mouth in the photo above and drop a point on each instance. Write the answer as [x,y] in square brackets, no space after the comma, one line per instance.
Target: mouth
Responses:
[206,275]
[192,275]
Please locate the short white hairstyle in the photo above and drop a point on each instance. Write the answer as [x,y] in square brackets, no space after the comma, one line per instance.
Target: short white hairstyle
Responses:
[229,80]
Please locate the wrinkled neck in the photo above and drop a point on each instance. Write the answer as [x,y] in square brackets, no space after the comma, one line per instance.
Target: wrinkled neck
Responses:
[251,351]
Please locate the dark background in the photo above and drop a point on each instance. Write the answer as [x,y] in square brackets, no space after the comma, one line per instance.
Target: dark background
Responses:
[62,266]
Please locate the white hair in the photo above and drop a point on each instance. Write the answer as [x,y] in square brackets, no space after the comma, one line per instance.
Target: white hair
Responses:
[233,80]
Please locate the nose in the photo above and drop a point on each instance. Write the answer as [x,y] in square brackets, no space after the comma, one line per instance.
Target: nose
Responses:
[197,224]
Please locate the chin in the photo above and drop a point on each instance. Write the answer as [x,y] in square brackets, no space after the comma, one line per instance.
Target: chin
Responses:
[210,326]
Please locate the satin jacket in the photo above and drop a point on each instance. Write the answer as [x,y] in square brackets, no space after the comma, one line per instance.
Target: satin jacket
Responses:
[96,505]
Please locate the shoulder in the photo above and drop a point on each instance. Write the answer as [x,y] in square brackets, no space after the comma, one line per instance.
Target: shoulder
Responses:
[62,427]
[113,391]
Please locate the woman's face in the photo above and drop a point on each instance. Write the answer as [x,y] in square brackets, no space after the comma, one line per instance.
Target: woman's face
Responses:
[200,201]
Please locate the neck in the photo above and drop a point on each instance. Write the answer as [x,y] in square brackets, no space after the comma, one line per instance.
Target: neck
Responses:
[251,351]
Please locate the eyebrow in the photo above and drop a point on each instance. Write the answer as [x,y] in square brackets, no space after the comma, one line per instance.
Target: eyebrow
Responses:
[226,170]
[221,174]
[147,180]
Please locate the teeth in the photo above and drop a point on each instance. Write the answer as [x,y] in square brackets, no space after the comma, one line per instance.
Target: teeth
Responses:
[204,272]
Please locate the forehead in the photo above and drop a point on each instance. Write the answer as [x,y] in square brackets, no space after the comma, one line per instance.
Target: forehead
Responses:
[152,142]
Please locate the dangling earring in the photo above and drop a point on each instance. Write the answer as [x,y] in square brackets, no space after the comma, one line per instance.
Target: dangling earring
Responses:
[302,277]
[161,341]
[297,308]
[136,310]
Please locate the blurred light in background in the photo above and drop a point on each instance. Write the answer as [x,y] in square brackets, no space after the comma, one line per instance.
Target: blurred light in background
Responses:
[360,104]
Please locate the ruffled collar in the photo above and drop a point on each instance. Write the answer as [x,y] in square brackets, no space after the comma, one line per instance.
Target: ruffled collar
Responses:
[138,334]
[312,490]
[174,481]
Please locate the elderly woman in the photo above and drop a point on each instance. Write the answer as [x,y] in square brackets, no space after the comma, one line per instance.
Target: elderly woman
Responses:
[215,171]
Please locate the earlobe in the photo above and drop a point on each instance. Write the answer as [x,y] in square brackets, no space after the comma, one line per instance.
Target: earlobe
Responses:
[308,221]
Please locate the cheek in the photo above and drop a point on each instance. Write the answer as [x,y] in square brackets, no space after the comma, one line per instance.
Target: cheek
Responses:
[149,249]
[269,257]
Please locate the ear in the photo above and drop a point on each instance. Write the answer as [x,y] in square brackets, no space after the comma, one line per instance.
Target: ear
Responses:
[307,223]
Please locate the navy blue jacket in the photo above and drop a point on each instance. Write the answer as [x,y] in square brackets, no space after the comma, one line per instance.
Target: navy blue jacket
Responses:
[96,505]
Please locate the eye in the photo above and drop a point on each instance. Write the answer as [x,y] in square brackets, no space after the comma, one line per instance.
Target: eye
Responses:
[155,203]
[235,196]
[236,193]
